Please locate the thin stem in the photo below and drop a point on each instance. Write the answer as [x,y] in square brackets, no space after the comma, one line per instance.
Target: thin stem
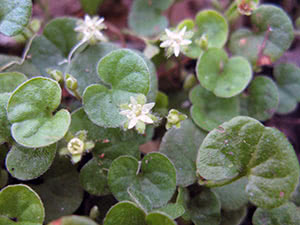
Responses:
[76,47]
[25,53]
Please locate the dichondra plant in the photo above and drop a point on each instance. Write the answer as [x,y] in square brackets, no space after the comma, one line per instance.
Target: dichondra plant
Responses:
[87,138]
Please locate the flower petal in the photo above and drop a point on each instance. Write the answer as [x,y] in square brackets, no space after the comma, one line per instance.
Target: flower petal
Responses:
[132,122]
[147,107]
[145,119]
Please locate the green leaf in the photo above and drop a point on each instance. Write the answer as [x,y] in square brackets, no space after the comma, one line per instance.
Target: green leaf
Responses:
[181,146]
[224,77]
[288,81]
[51,48]
[3,178]
[204,208]
[296,195]
[27,68]
[147,19]
[272,36]
[174,210]
[233,217]
[90,7]
[14,16]
[80,121]
[93,178]
[5,126]
[157,180]
[20,203]
[128,75]
[84,65]
[232,196]
[209,111]
[287,214]
[60,191]
[73,220]
[8,82]
[27,164]
[125,213]
[30,109]
[244,147]
[159,218]
[262,99]
[213,26]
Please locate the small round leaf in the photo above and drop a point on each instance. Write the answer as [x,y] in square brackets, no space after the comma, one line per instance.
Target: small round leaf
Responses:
[273,35]
[180,146]
[157,180]
[27,164]
[30,109]
[287,214]
[127,74]
[244,147]
[125,213]
[209,111]
[20,203]
[73,220]
[224,77]
[288,81]
[262,100]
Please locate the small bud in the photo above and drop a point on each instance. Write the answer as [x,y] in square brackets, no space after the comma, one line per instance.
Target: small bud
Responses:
[55,74]
[246,7]
[71,82]
[174,118]
[76,146]
[203,42]
[94,213]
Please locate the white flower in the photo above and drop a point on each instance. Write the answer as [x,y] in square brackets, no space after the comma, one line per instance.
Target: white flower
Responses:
[91,28]
[175,40]
[76,146]
[137,112]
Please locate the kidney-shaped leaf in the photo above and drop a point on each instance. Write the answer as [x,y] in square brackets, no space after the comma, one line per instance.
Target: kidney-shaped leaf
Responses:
[14,16]
[20,203]
[273,35]
[287,214]
[30,109]
[288,81]
[146,18]
[211,25]
[209,111]
[262,100]
[224,77]
[180,146]
[8,82]
[204,208]
[127,213]
[127,75]
[156,180]
[27,164]
[244,147]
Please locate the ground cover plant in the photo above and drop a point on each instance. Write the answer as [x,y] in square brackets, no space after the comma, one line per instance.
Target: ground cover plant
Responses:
[149,112]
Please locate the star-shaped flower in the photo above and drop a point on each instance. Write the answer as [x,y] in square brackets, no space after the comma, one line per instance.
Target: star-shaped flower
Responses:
[90,29]
[174,41]
[138,113]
